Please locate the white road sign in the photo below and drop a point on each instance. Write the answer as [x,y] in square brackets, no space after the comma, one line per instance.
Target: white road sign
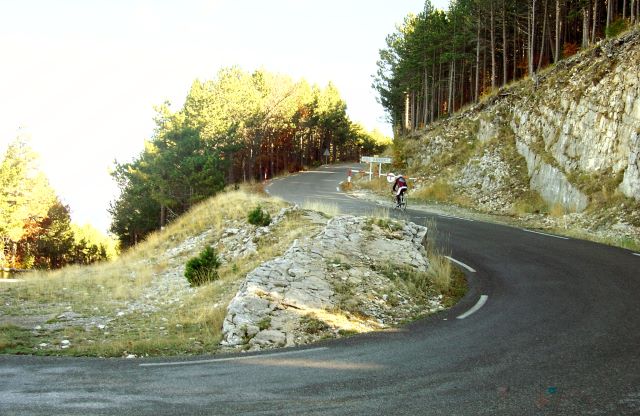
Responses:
[369,159]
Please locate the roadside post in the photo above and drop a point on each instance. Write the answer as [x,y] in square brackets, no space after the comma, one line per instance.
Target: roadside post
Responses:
[375,159]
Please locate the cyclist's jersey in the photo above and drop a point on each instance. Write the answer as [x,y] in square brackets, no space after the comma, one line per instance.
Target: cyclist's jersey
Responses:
[400,183]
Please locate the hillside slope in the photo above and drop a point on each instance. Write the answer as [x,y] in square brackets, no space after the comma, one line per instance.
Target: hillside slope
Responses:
[565,142]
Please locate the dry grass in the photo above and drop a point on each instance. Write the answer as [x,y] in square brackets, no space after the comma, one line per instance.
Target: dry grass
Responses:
[327,208]
[440,191]
[439,271]
[185,322]
[529,202]
[378,185]
[379,213]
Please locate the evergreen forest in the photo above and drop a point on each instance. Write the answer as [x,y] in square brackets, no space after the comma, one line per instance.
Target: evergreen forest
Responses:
[437,62]
[35,226]
[239,127]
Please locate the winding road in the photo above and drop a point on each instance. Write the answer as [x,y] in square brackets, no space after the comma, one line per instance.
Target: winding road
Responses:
[549,326]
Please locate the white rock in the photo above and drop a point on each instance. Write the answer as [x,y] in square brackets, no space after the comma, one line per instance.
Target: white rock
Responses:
[269,337]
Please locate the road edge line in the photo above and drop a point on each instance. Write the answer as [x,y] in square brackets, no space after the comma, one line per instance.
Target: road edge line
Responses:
[459,263]
[474,308]
[215,360]
[548,235]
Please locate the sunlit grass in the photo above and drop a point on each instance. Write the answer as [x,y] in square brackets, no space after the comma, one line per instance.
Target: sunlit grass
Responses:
[379,213]
[440,191]
[327,208]
[376,184]
[184,322]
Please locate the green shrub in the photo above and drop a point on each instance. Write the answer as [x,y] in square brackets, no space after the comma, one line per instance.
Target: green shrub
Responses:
[313,325]
[259,217]
[202,269]
[616,28]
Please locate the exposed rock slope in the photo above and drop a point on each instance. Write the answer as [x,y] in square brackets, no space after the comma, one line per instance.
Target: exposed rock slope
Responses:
[339,280]
[571,135]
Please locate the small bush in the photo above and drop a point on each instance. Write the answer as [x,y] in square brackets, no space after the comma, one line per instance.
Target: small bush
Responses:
[259,217]
[313,325]
[530,203]
[202,269]
[264,323]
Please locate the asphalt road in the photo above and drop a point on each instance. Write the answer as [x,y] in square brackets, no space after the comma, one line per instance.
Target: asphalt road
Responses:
[558,333]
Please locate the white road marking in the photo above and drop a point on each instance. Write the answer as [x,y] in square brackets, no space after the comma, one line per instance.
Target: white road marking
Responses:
[475,308]
[216,360]
[548,235]
[472,270]
[454,217]
[636,254]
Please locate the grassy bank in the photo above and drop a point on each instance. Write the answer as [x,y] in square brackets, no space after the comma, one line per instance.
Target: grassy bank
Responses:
[141,304]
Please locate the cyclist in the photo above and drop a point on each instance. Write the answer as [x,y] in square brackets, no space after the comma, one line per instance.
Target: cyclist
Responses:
[399,187]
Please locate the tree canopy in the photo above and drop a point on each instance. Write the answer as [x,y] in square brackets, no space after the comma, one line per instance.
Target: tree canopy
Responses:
[437,62]
[240,126]
[35,226]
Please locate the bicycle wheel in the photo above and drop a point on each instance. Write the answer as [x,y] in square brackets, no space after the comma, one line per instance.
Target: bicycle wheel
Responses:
[403,202]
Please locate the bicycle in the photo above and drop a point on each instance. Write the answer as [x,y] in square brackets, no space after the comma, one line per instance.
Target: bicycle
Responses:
[403,202]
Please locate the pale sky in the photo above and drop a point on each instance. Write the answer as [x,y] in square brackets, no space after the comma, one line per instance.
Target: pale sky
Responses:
[81,77]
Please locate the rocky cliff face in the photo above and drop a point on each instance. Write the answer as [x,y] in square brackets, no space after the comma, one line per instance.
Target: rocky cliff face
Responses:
[575,127]
[333,282]
[584,114]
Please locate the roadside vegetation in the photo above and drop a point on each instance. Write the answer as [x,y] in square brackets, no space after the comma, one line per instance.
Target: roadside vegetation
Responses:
[141,303]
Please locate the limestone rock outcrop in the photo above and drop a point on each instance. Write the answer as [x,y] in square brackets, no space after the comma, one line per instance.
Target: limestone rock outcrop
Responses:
[308,284]
[578,123]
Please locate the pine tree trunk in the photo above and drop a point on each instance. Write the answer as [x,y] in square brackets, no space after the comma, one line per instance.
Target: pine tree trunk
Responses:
[624,9]
[556,55]
[406,112]
[433,88]
[14,253]
[425,115]
[414,107]
[450,97]
[483,85]
[515,47]
[494,66]
[439,114]
[477,89]
[609,10]
[505,46]
[595,21]
[453,86]
[585,26]
[2,255]
[544,32]
[532,37]
[461,89]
